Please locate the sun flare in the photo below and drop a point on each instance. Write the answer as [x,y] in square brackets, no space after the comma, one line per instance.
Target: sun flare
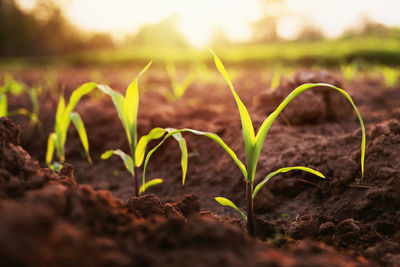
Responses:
[196,19]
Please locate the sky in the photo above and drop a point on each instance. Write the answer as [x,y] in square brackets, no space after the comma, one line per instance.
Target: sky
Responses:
[198,18]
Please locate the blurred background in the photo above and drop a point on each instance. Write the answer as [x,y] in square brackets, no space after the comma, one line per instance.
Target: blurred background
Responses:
[242,31]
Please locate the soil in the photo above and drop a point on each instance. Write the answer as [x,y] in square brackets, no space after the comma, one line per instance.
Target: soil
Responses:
[86,214]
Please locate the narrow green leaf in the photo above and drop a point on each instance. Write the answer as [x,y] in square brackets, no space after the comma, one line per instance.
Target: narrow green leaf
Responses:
[275,81]
[34,119]
[155,133]
[262,132]
[150,183]
[281,170]
[59,127]
[50,148]
[33,94]
[107,154]
[184,157]
[212,136]
[77,95]
[3,106]
[227,203]
[128,161]
[172,75]
[131,107]
[80,127]
[119,104]
[247,125]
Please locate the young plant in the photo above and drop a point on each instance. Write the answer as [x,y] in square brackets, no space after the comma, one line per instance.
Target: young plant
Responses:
[64,115]
[349,71]
[3,106]
[178,87]
[254,142]
[275,80]
[127,108]
[390,75]
[17,88]
[11,85]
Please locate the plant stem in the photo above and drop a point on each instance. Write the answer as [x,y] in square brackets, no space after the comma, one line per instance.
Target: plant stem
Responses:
[249,200]
[136,181]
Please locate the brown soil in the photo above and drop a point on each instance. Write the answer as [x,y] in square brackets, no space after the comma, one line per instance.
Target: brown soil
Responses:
[49,217]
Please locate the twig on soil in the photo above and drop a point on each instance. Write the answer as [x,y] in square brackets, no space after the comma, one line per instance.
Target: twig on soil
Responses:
[308,182]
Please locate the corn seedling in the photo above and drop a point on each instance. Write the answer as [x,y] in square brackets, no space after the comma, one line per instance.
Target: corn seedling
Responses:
[202,72]
[127,109]
[178,87]
[390,75]
[275,80]
[64,115]
[16,88]
[11,85]
[254,142]
[349,71]
[33,94]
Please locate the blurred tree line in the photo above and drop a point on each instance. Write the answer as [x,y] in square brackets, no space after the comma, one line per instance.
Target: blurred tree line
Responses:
[42,31]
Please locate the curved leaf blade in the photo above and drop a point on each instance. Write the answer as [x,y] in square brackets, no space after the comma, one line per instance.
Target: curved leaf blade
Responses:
[34,119]
[119,104]
[128,161]
[107,154]
[184,153]
[77,95]
[227,203]
[50,148]
[262,132]
[212,136]
[150,183]
[155,133]
[282,170]
[80,127]
[132,106]
[247,125]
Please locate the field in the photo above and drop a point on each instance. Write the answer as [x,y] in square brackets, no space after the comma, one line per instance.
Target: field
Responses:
[87,215]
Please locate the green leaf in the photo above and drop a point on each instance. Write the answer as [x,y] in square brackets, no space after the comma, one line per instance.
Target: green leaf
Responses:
[281,170]
[22,111]
[33,94]
[182,145]
[132,105]
[60,127]
[128,161]
[184,158]
[3,106]
[155,133]
[178,88]
[226,202]
[107,154]
[119,104]
[77,95]
[212,136]
[50,148]
[262,133]
[172,75]
[247,125]
[150,183]
[80,127]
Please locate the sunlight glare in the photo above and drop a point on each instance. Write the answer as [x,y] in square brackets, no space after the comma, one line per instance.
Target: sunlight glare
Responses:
[196,18]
